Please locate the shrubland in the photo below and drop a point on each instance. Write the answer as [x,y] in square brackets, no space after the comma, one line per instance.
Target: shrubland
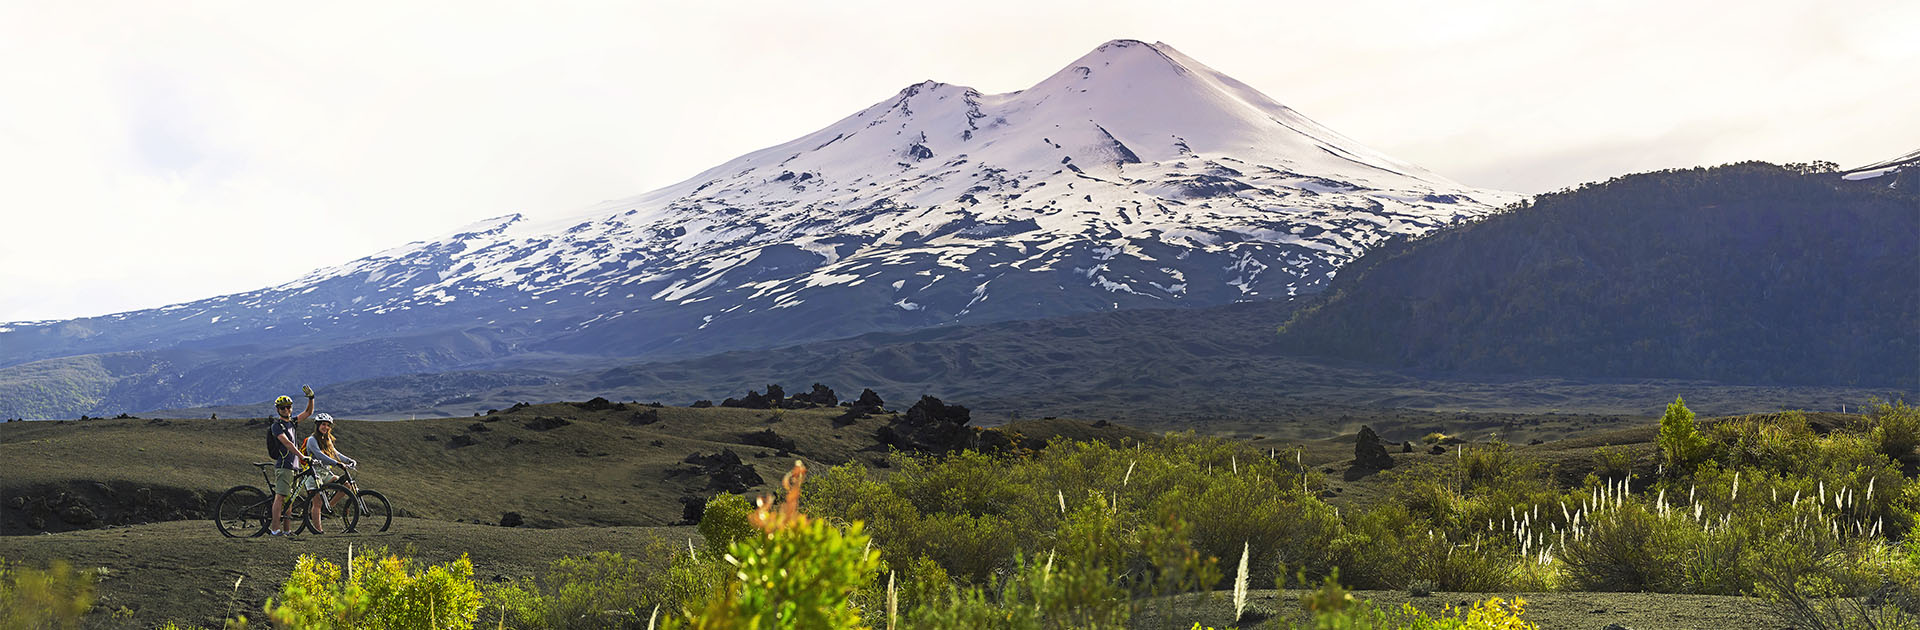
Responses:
[1813,520]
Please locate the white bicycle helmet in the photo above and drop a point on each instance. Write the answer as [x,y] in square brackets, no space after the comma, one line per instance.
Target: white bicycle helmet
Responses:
[318,418]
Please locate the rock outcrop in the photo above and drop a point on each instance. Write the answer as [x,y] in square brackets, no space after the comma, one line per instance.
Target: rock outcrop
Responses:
[1369,451]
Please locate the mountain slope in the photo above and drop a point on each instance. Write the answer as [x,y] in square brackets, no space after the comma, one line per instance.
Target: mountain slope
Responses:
[1746,273]
[1900,172]
[1134,177]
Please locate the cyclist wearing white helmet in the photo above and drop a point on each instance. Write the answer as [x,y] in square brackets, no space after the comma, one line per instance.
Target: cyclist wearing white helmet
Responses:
[322,451]
[281,446]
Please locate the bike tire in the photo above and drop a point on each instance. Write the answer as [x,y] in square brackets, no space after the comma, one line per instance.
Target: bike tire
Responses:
[338,519]
[242,512]
[375,513]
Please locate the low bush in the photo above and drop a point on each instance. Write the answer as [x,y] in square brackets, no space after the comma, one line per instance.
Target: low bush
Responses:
[796,573]
[1613,462]
[54,597]
[1895,428]
[1680,443]
[1039,595]
[602,590]
[724,521]
[1630,548]
[381,591]
[1334,608]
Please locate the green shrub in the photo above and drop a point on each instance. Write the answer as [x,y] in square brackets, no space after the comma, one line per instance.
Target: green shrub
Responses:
[1630,548]
[1037,596]
[723,521]
[972,529]
[602,590]
[1813,579]
[1777,441]
[1372,550]
[921,583]
[1680,443]
[1613,462]
[1490,463]
[1334,608]
[384,591]
[799,572]
[55,597]
[973,513]
[1895,427]
[1237,510]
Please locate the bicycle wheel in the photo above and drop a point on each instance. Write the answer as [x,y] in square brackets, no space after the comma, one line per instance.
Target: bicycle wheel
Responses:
[339,510]
[242,512]
[375,513]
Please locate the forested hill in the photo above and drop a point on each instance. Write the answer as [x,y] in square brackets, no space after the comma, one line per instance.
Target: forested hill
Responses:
[1745,273]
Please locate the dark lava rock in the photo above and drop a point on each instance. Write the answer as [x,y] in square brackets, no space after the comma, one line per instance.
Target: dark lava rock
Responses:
[724,471]
[931,426]
[1437,450]
[546,423]
[461,441]
[691,509]
[1369,452]
[870,401]
[821,396]
[512,519]
[599,403]
[753,400]
[1406,447]
[930,410]
[701,404]
[479,427]
[77,515]
[430,437]
[769,439]
[868,404]
[644,418]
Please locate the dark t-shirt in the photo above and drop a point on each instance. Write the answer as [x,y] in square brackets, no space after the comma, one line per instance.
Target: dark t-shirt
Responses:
[277,451]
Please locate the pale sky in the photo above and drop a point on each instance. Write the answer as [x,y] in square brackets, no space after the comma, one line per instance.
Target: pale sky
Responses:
[161,152]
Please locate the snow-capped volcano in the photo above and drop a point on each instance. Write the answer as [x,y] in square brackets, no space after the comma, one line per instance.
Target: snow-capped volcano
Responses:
[1901,168]
[1114,173]
[1134,177]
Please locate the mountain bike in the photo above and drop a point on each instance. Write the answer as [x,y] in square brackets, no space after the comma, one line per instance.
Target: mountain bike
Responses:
[375,512]
[247,511]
